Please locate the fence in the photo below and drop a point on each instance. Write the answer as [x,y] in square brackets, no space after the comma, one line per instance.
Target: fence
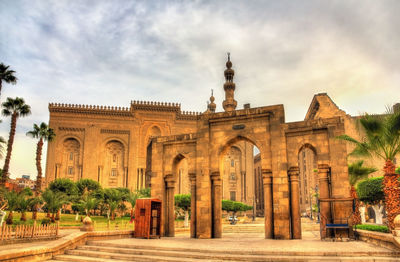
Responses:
[28,231]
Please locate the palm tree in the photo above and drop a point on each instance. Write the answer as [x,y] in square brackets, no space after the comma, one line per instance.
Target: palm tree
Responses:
[54,202]
[34,204]
[7,75]
[132,197]
[11,198]
[15,108]
[113,198]
[357,172]
[43,133]
[87,203]
[382,139]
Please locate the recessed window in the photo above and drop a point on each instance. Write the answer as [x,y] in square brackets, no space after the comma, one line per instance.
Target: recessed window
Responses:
[70,170]
[114,172]
[232,163]
[233,195]
[233,176]
[71,156]
[114,158]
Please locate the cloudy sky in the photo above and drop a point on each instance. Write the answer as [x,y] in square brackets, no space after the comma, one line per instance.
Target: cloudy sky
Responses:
[112,52]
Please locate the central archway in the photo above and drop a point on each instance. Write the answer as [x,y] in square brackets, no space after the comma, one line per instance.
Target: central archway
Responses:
[238,180]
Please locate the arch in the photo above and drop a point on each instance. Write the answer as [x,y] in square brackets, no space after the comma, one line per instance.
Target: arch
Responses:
[154,131]
[230,143]
[173,184]
[114,138]
[309,146]
[240,185]
[68,136]
[114,163]
[308,178]
[71,158]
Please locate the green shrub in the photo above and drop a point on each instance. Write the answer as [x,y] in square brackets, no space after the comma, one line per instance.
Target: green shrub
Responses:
[378,228]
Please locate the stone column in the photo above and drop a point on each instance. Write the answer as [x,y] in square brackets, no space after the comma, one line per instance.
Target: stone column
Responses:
[170,212]
[192,178]
[268,206]
[80,174]
[295,201]
[100,175]
[126,177]
[217,205]
[323,184]
[57,174]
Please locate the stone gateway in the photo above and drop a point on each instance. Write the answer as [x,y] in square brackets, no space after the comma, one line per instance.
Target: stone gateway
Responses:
[146,144]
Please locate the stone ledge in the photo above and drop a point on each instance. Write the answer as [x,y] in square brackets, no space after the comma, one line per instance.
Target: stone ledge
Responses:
[386,240]
[50,248]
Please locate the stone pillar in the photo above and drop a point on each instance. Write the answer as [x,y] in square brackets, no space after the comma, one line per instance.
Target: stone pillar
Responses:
[295,201]
[80,175]
[268,206]
[126,177]
[323,184]
[217,205]
[192,178]
[58,167]
[170,211]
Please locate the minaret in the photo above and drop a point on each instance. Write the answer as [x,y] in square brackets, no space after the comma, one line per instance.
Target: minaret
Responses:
[229,103]
[212,105]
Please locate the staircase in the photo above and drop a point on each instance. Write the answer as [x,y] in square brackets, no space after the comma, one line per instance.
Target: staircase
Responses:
[101,251]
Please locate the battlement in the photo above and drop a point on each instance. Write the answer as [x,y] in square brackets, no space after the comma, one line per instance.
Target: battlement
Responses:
[89,109]
[165,107]
[155,106]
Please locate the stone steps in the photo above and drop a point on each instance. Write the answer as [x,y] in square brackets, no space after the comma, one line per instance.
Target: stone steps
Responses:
[105,252]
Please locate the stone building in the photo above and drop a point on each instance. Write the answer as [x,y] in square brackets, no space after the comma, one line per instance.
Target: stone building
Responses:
[208,154]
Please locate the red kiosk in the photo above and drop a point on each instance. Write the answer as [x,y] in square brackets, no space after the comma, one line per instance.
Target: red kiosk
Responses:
[148,218]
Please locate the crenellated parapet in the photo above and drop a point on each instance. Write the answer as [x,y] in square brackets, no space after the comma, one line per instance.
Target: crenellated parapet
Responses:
[188,115]
[165,107]
[89,109]
[155,106]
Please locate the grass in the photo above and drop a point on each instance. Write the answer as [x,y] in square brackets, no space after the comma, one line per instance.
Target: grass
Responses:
[383,229]
[66,220]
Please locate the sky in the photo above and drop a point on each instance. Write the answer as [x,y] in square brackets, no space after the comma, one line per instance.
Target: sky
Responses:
[111,52]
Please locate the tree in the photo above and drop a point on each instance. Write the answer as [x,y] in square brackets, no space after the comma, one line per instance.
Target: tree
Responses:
[87,203]
[183,202]
[370,191]
[34,204]
[234,206]
[382,139]
[356,173]
[43,133]
[23,202]
[87,185]
[15,108]
[113,197]
[64,185]
[54,201]
[7,75]
[11,198]
[132,200]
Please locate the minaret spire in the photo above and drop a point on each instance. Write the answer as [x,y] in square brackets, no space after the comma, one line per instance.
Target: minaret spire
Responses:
[229,103]
[212,105]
